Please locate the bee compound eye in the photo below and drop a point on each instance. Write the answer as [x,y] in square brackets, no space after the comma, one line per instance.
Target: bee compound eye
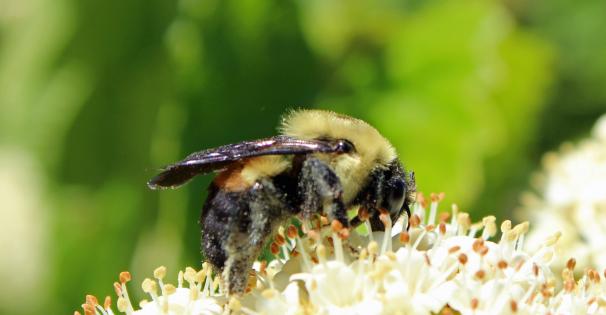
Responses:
[396,197]
[398,188]
[345,146]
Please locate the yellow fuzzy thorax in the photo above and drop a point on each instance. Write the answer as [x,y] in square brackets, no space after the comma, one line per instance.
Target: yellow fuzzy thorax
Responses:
[372,149]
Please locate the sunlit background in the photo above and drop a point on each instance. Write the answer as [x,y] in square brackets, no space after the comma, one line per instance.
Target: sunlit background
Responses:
[96,96]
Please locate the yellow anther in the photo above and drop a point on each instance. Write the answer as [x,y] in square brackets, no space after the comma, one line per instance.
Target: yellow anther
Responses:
[149,286]
[522,228]
[553,239]
[373,248]
[463,221]
[160,273]
[505,226]
[169,289]
[190,274]
[200,276]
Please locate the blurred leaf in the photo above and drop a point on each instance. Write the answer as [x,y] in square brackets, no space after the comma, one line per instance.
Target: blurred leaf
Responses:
[453,89]
[578,96]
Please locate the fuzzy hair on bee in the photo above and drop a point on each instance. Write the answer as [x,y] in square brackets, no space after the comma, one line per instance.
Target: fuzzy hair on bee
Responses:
[322,163]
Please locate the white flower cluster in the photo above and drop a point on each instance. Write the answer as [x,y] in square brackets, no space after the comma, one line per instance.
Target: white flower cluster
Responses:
[441,264]
[572,199]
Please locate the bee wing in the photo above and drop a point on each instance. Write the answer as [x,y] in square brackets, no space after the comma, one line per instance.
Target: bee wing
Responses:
[206,161]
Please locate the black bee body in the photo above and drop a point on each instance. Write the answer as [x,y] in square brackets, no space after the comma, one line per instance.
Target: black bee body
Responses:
[236,225]
[261,184]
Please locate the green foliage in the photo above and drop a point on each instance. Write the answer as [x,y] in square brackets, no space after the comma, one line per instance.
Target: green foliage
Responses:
[95,96]
[457,91]
[578,95]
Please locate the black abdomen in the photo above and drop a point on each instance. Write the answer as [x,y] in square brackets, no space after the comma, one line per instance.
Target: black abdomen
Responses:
[221,207]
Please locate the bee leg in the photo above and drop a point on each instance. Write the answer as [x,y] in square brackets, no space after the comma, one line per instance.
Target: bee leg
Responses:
[368,199]
[356,221]
[249,231]
[321,191]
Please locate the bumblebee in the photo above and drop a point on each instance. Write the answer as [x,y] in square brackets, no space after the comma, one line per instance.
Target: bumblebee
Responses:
[323,163]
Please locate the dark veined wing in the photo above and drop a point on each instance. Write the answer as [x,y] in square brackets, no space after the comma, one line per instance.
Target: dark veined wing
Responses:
[218,158]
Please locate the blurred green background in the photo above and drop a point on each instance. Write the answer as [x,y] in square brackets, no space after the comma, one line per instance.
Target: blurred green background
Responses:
[96,96]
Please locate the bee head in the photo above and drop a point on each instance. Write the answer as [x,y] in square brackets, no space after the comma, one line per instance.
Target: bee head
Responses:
[365,148]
